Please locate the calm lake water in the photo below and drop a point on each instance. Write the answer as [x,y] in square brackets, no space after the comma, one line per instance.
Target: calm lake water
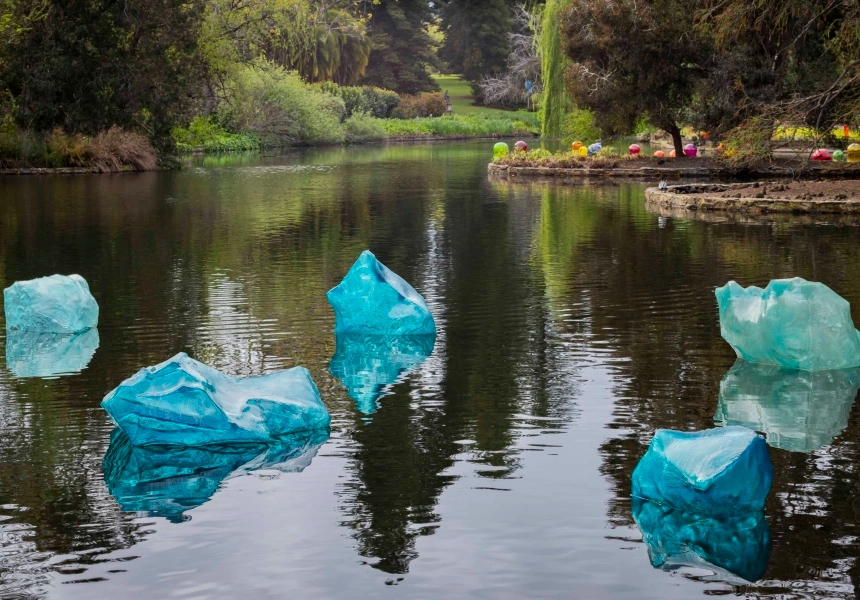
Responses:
[572,324]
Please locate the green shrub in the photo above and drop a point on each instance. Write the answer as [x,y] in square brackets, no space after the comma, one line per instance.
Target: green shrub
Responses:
[579,125]
[280,109]
[457,126]
[422,105]
[208,134]
[361,127]
[366,99]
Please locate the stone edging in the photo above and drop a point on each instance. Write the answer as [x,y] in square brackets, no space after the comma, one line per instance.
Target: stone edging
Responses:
[695,197]
[53,171]
[532,173]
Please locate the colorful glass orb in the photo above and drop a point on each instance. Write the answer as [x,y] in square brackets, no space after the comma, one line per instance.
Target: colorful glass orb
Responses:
[821,154]
[500,149]
[521,146]
[583,151]
[634,149]
[575,146]
[659,154]
[839,156]
[672,154]
[853,153]
[691,151]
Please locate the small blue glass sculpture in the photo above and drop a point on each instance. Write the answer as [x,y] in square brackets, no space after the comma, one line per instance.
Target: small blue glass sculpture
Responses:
[166,481]
[736,549]
[183,402]
[800,411]
[793,323]
[372,299]
[368,364]
[716,473]
[37,354]
[55,304]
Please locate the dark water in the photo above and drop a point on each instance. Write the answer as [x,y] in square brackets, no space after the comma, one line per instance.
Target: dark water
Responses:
[572,324]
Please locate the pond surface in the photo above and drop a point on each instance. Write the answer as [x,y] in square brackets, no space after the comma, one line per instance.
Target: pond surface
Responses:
[572,324]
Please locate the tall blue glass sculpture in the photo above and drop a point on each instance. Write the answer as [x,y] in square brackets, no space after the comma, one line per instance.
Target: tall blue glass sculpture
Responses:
[183,402]
[372,299]
[736,549]
[800,411]
[368,364]
[716,473]
[37,354]
[167,481]
[55,304]
[793,323]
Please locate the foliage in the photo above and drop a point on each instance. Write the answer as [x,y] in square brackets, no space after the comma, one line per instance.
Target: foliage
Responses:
[361,127]
[563,160]
[457,126]
[476,37]
[208,134]
[86,66]
[554,98]
[370,100]
[402,49]
[632,58]
[579,125]
[422,105]
[110,150]
[280,109]
[523,64]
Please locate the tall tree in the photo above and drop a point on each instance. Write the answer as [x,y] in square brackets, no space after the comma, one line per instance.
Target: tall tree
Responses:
[476,36]
[402,49]
[631,57]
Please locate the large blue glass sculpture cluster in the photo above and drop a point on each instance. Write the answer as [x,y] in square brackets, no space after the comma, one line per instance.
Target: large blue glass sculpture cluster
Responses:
[55,304]
[372,299]
[793,323]
[720,472]
[183,402]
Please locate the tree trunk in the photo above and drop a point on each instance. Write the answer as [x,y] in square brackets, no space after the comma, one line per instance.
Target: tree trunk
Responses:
[675,132]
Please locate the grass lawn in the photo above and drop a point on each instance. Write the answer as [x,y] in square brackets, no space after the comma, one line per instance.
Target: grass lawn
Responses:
[461,97]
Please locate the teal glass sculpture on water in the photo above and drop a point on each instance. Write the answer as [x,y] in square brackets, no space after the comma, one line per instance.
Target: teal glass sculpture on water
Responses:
[736,549]
[368,364]
[373,299]
[182,402]
[716,473]
[166,481]
[793,323]
[799,411]
[55,304]
[38,354]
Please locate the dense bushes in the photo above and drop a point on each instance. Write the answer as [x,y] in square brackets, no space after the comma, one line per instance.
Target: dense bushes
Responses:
[457,126]
[208,135]
[363,128]
[364,99]
[421,105]
[112,150]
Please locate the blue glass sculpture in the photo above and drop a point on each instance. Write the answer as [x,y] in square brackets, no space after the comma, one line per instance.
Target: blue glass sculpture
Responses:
[717,472]
[37,354]
[800,411]
[736,549]
[367,364]
[55,304]
[372,299]
[793,323]
[166,481]
[183,402]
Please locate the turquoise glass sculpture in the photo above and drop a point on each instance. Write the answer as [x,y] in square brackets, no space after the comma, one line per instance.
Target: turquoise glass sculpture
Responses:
[166,481]
[37,354]
[736,549]
[55,304]
[368,364]
[800,411]
[716,473]
[793,323]
[372,299]
[182,402]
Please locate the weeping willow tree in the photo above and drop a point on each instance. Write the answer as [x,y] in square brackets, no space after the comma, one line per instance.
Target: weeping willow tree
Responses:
[554,101]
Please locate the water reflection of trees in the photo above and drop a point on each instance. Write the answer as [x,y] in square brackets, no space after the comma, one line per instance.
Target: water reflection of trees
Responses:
[654,309]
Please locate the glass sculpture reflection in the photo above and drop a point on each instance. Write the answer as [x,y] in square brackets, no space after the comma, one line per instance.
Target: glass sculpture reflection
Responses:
[167,481]
[736,549]
[37,354]
[368,364]
[792,323]
[800,411]
[717,472]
